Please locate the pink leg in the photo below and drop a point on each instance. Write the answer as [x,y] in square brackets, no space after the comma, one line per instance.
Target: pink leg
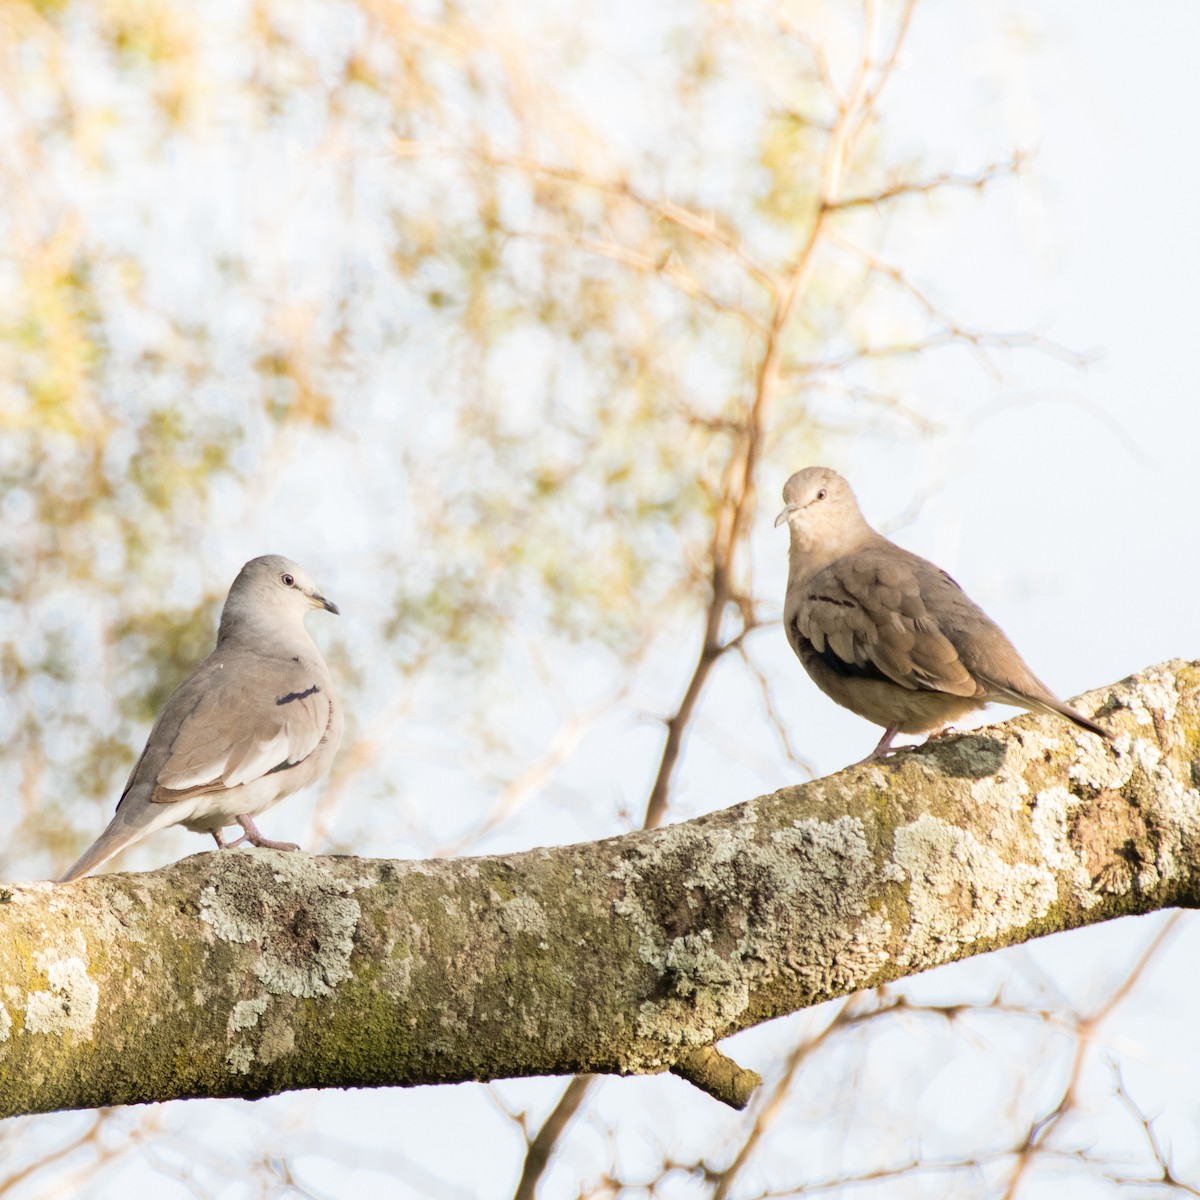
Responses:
[256,839]
[885,742]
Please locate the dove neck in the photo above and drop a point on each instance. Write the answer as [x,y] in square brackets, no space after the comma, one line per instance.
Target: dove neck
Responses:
[244,625]
[808,554]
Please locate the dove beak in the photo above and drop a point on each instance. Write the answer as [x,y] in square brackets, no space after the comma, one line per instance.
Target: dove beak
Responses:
[327,605]
[787,512]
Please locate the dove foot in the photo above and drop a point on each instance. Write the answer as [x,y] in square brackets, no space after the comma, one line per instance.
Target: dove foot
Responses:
[884,749]
[256,839]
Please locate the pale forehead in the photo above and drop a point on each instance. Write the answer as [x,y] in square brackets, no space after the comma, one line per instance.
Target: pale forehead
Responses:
[271,566]
[808,480]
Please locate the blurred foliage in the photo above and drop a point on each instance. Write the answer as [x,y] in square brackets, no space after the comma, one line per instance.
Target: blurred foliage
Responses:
[405,226]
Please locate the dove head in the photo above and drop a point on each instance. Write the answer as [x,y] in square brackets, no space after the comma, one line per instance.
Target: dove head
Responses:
[822,514]
[268,594]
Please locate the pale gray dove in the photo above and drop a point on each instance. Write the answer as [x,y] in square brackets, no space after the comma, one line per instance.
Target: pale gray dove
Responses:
[889,635]
[257,720]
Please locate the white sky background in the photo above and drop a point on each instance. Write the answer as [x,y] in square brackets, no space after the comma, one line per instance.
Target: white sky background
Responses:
[1068,514]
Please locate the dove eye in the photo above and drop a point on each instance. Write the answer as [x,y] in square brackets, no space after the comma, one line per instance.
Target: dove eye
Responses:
[287,580]
[822,494]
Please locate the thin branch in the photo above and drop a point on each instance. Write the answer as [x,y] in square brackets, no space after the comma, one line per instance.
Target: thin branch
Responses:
[1159,1153]
[773,715]
[902,188]
[703,226]
[979,342]
[738,487]
[1040,1131]
[664,266]
[89,1136]
[541,1147]
[789,28]
[771,1106]
[887,68]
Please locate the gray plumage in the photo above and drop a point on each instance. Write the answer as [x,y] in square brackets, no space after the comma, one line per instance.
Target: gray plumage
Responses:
[887,634]
[256,721]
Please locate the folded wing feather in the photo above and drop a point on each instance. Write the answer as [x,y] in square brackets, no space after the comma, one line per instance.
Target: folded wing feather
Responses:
[873,613]
[239,734]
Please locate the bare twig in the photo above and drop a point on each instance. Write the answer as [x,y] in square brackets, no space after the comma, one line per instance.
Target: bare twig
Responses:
[664,265]
[704,226]
[542,1145]
[977,181]
[1036,1142]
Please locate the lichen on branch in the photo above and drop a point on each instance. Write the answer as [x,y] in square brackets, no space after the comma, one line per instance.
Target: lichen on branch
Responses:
[251,973]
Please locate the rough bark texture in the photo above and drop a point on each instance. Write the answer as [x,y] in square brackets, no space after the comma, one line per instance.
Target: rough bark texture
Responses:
[249,973]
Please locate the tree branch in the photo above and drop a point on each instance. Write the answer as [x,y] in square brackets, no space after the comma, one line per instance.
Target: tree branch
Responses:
[246,974]
[541,1146]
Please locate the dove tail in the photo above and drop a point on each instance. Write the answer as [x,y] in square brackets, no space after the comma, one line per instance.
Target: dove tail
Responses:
[114,839]
[1051,706]
[123,830]
[1065,710]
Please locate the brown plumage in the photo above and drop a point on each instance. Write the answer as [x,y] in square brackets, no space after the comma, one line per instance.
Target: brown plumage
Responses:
[887,634]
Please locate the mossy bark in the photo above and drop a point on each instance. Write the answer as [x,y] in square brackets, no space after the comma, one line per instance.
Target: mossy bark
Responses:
[249,973]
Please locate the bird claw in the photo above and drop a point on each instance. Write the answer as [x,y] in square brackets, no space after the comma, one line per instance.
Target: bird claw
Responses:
[271,844]
[883,749]
[256,839]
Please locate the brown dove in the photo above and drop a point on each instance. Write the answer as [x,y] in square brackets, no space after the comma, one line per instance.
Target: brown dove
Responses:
[887,634]
[256,721]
